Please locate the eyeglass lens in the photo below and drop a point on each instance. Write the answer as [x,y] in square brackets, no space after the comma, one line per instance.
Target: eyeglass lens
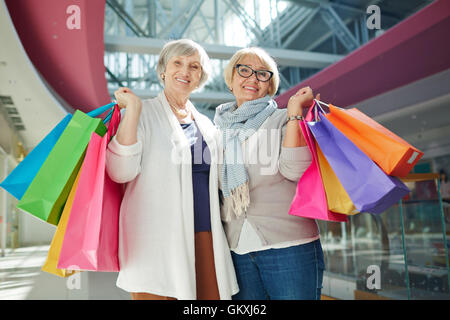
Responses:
[246,72]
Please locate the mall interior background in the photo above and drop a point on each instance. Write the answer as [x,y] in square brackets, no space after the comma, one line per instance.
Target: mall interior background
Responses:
[399,74]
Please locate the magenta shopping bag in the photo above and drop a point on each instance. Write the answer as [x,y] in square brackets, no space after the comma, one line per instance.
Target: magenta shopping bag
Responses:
[91,237]
[310,200]
[370,189]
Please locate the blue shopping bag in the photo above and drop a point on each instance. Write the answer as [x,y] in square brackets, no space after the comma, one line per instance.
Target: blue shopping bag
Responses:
[18,181]
[370,189]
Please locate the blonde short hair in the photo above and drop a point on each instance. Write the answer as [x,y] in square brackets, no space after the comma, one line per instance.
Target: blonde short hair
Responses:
[266,60]
[183,47]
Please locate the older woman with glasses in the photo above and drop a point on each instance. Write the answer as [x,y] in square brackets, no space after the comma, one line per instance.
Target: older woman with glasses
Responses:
[171,241]
[275,255]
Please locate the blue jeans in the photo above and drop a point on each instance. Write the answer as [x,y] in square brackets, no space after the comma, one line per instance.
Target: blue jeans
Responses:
[293,273]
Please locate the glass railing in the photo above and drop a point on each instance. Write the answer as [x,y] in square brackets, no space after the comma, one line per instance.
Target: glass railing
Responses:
[399,254]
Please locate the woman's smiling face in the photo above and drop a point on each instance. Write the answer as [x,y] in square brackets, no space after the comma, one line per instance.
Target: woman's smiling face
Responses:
[183,73]
[247,89]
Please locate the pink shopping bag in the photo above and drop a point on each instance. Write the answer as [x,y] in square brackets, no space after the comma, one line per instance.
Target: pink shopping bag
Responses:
[310,200]
[91,238]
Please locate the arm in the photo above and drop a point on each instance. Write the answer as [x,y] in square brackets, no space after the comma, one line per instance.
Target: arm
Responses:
[302,99]
[295,156]
[127,132]
[124,152]
[293,161]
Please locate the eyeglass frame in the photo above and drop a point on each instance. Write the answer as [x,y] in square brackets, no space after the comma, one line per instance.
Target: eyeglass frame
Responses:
[253,72]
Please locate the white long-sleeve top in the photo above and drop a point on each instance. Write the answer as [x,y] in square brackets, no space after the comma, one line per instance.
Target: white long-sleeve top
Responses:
[156,231]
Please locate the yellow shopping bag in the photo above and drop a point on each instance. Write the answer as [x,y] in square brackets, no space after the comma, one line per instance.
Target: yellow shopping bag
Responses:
[57,241]
[337,198]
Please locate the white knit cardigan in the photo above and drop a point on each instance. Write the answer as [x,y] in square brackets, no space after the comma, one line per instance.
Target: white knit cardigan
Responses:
[156,234]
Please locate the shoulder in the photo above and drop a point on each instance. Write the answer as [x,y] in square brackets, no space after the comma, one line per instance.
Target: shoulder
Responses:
[277,119]
[150,107]
[150,104]
[279,114]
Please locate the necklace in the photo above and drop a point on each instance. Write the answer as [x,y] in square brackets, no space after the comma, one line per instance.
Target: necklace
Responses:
[181,112]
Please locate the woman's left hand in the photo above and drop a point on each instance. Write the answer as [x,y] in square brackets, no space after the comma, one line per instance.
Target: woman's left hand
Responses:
[303,98]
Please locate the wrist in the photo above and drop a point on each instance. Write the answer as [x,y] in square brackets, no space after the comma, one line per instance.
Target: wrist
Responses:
[294,117]
[135,106]
[294,112]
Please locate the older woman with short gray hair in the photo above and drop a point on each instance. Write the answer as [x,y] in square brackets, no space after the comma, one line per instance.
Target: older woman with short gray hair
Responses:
[171,241]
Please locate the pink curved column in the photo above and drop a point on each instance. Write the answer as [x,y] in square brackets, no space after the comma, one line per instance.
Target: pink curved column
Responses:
[70,60]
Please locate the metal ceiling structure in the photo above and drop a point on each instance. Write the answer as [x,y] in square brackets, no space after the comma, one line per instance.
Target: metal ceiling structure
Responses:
[304,36]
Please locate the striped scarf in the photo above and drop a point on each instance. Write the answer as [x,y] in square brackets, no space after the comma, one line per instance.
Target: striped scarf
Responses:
[237,125]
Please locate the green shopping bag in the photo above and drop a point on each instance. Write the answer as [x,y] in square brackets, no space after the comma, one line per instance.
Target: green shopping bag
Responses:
[48,192]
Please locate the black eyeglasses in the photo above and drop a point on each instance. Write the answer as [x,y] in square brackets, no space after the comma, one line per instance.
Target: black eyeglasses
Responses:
[247,72]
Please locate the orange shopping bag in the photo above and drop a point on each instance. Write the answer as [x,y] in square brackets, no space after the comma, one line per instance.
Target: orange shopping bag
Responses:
[392,154]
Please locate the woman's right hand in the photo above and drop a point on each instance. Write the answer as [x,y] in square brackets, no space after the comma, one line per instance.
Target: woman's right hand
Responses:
[127,99]
[127,132]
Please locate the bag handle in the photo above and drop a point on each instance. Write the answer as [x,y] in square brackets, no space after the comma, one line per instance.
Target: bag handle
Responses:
[312,114]
[326,104]
[99,111]
[309,114]
[114,122]
[318,103]
[315,108]
[108,116]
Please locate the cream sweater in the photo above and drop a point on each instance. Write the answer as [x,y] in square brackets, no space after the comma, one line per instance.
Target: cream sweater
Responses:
[273,173]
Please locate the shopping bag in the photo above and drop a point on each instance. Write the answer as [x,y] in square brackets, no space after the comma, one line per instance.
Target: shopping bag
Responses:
[18,181]
[370,189]
[337,198]
[48,192]
[51,262]
[91,238]
[394,156]
[310,200]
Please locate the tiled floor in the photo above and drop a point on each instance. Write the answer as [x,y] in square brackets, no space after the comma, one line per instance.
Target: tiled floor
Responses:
[18,270]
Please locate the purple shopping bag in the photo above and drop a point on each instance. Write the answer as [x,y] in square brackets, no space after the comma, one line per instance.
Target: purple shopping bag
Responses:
[370,189]
[310,200]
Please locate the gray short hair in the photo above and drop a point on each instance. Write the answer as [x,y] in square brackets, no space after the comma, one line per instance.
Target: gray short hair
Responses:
[183,47]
